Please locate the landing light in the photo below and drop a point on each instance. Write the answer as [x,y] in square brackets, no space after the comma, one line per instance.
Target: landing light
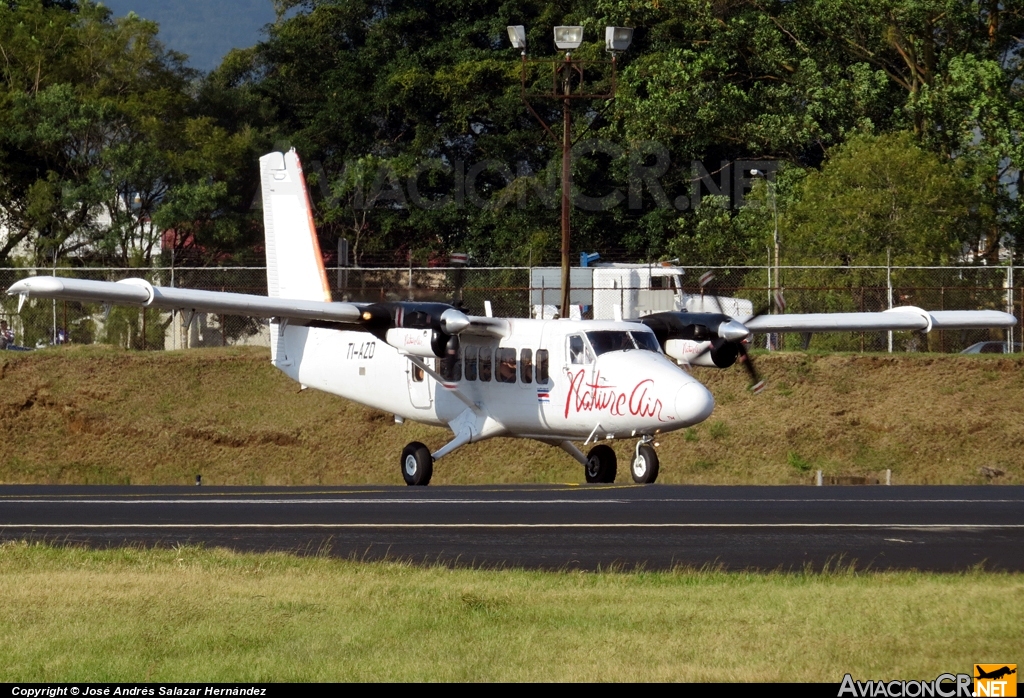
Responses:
[367,315]
[568,38]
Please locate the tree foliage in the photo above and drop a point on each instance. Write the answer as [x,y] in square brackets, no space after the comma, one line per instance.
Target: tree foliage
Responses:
[408,116]
[100,139]
[879,200]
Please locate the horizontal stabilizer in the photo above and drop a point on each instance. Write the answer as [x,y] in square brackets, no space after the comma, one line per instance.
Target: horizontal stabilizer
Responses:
[139,292]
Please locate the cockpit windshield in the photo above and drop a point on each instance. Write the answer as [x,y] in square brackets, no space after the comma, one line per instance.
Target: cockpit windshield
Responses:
[604,341]
[646,340]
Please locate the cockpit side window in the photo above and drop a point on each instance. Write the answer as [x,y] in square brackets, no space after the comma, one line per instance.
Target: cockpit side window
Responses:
[578,353]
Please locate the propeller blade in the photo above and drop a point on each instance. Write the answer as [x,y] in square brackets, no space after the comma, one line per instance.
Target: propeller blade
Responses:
[705,279]
[756,382]
[734,327]
[702,352]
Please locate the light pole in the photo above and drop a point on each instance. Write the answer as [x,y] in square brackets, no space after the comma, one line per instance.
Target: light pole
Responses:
[777,291]
[564,74]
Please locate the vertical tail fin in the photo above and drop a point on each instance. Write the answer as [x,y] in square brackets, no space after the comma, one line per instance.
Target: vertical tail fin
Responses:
[295,266]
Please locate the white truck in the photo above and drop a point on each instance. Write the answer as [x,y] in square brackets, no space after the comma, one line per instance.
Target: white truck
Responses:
[612,290]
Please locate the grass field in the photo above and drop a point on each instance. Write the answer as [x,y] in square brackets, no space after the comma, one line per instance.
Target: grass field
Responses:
[196,615]
[104,416]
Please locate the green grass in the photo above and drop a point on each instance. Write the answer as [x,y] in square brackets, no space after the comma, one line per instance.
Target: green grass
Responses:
[189,614]
[800,464]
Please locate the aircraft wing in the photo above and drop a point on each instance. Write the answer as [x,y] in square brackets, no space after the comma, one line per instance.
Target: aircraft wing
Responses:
[902,318]
[139,292]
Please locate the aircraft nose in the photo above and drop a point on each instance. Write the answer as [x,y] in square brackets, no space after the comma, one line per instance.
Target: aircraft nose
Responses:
[694,403]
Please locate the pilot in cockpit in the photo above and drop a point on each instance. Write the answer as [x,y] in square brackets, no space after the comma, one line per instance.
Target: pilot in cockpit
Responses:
[577,352]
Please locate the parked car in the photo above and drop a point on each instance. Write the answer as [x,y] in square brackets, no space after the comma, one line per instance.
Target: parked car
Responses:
[990,348]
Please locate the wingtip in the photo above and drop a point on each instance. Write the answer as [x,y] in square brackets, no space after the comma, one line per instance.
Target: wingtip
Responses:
[36,285]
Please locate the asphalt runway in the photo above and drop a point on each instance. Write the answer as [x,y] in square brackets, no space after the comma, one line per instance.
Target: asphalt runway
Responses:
[549,526]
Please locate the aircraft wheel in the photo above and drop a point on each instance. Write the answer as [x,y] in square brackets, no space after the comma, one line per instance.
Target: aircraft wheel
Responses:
[645,465]
[417,464]
[600,464]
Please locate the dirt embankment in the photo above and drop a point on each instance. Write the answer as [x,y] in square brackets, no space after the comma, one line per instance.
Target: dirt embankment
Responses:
[95,415]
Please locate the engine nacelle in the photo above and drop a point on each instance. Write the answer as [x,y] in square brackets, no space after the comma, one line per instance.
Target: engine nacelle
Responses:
[413,341]
[418,329]
[721,354]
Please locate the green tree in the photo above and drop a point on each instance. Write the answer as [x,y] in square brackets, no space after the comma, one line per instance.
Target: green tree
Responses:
[100,139]
[879,198]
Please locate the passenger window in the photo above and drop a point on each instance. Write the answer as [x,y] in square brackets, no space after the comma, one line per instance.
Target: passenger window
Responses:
[451,368]
[485,364]
[417,374]
[526,365]
[542,365]
[506,360]
[469,356]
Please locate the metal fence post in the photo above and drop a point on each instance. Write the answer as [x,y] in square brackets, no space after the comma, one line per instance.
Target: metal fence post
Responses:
[1021,295]
[888,284]
[1009,307]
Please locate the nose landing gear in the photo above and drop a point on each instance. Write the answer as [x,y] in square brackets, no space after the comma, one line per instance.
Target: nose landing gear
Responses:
[644,467]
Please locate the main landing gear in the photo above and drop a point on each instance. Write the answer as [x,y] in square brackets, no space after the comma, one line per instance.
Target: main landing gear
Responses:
[601,463]
[417,464]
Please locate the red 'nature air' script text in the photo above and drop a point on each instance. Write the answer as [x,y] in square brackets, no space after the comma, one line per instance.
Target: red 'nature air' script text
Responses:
[593,397]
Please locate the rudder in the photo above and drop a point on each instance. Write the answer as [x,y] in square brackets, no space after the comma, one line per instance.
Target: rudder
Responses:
[295,266]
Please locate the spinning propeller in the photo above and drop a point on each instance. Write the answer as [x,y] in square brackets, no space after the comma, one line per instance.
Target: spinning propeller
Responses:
[725,336]
[734,333]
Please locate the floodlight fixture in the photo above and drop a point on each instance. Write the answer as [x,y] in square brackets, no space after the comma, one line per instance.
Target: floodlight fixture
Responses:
[517,35]
[568,38]
[617,38]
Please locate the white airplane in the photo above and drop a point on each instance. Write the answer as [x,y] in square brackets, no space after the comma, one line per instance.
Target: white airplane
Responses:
[556,381]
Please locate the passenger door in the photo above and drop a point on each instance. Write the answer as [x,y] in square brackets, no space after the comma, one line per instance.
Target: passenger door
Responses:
[420,386]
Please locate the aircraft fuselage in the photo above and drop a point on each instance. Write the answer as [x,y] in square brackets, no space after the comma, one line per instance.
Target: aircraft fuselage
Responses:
[546,380]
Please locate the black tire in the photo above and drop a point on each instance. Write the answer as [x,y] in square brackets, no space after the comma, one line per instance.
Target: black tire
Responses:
[601,464]
[644,467]
[417,464]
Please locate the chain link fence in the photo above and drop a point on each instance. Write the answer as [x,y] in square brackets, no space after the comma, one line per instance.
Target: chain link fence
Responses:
[41,322]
